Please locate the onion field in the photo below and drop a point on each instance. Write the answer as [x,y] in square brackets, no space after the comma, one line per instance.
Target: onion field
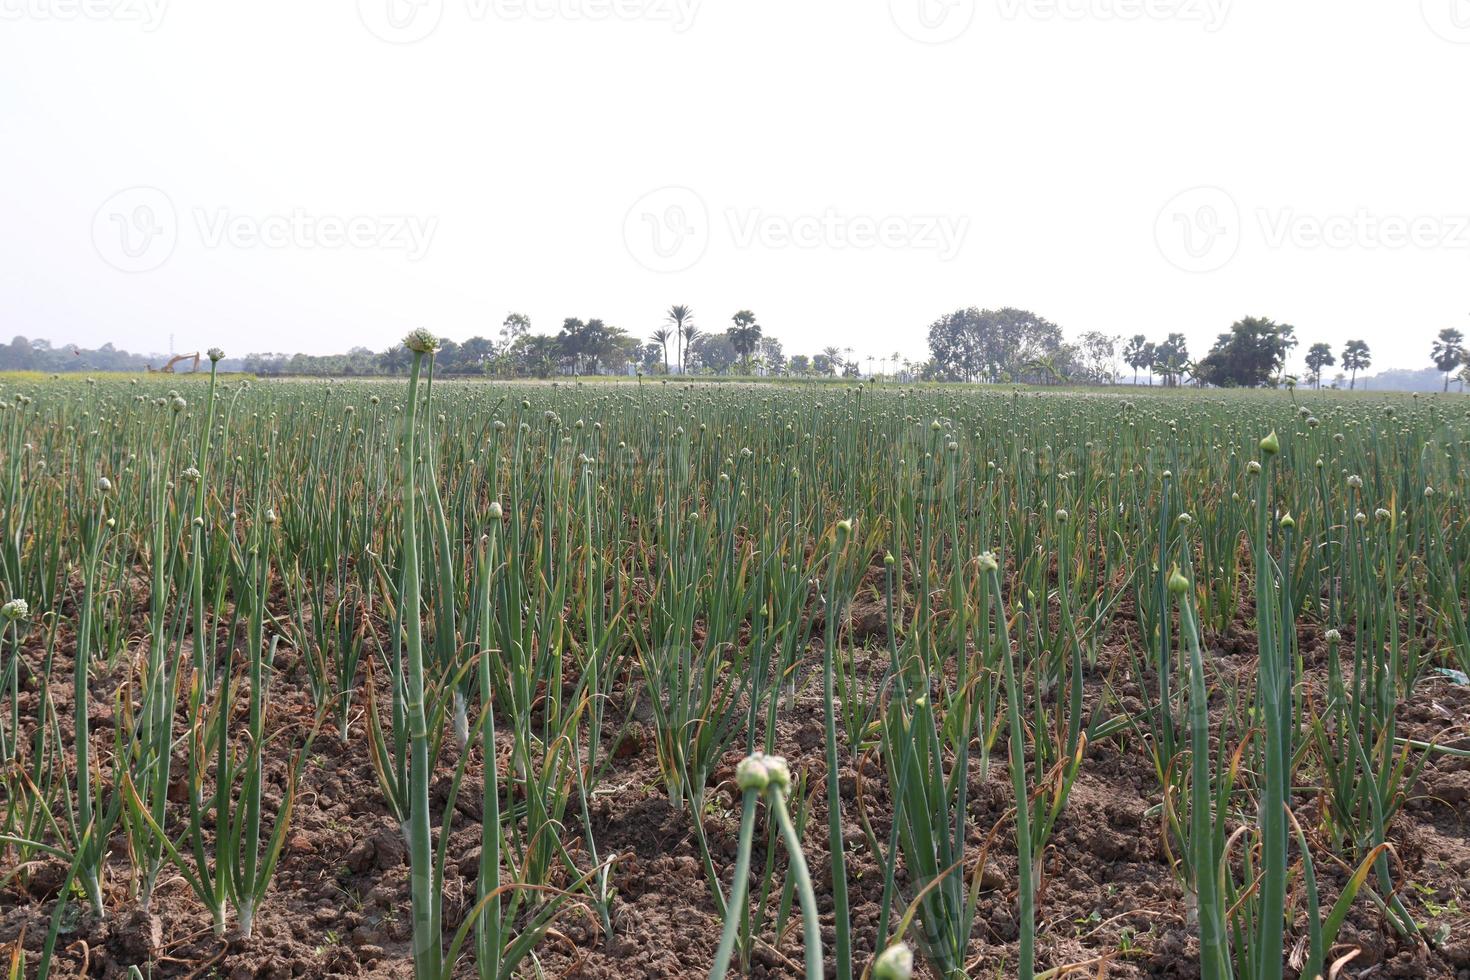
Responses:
[666,678]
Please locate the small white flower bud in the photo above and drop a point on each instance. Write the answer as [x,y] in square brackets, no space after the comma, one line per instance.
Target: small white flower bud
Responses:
[752,774]
[895,963]
[777,771]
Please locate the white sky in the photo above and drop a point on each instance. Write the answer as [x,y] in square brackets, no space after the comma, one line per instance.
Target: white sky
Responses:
[834,170]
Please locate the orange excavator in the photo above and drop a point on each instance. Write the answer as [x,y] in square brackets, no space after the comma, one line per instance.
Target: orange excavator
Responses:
[169,367]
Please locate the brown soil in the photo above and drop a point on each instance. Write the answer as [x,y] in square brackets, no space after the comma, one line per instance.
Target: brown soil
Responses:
[339,904]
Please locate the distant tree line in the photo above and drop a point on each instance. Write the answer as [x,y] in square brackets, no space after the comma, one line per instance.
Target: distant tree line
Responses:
[22,354]
[1010,345]
[1006,345]
[1251,354]
[681,346]
[1169,360]
[580,347]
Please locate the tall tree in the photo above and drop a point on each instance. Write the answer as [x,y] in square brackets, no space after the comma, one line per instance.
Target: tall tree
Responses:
[592,346]
[1171,359]
[680,316]
[571,342]
[1448,352]
[533,354]
[1319,356]
[833,354]
[661,337]
[712,352]
[691,334]
[745,335]
[1356,357]
[448,359]
[476,353]
[1134,356]
[394,359]
[513,328]
[772,355]
[1098,354]
[1249,355]
[992,345]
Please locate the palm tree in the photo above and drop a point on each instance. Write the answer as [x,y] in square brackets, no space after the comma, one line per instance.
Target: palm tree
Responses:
[745,336]
[1043,365]
[395,358]
[1355,357]
[661,337]
[1319,356]
[834,357]
[691,334]
[1169,358]
[1133,354]
[680,316]
[1448,352]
